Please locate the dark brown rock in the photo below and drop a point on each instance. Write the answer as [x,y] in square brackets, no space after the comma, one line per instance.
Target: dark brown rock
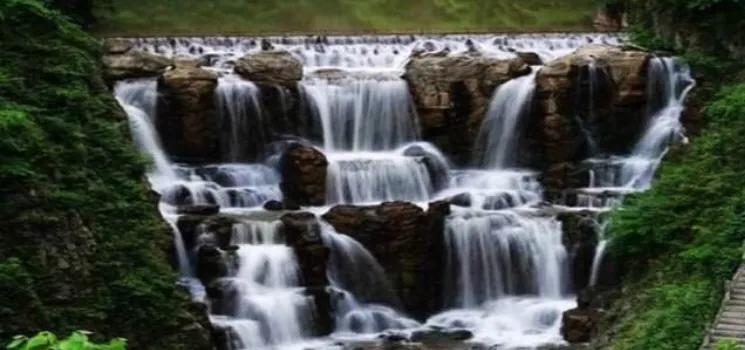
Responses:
[408,244]
[530,58]
[579,231]
[303,170]
[219,229]
[562,105]
[201,209]
[452,93]
[277,67]
[579,325]
[187,118]
[303,233]
[210,264]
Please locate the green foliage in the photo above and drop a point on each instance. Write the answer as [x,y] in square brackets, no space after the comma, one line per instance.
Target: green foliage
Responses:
[729,344]
[78,340]
[166,17]
[681,239]
[81,244]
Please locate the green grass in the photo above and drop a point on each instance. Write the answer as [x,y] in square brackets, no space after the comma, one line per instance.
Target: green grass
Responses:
[200,17]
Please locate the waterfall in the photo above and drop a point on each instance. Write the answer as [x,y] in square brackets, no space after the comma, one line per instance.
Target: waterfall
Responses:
[240,114]
[375,177]
[499,131]
[270,307]
[138,98]
[506,269]
[502,253]
[669,83]
[354,272]
[362,114]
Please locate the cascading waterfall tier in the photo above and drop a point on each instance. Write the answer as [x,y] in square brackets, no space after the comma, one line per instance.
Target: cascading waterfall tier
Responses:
[507,269]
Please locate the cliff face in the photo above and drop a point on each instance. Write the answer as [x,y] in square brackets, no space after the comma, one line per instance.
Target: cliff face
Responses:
[81,243]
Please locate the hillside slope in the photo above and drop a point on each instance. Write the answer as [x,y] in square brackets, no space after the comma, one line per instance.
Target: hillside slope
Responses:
[172,17]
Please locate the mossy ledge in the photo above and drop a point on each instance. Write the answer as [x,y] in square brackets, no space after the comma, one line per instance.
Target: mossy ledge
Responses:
[82,245]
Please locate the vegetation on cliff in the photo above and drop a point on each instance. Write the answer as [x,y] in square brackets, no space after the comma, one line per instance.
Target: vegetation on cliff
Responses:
[221,17]
[683,238]
[81,243]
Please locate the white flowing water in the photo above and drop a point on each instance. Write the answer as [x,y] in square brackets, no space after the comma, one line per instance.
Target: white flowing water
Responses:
[499,131]
[362,114]
[354,272]
[663,125]
[240,114]
[507,269]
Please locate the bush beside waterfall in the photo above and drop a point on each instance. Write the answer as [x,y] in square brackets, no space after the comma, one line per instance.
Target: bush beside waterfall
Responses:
[81,244]
[683,238]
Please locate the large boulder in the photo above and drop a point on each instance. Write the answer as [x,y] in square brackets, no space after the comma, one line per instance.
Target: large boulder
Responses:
[598,90]
[187,117]
[303,170]
[407,242]
[122,61]
[274,67]
[452,94]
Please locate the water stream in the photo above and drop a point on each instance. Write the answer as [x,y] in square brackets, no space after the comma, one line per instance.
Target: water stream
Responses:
[507,269]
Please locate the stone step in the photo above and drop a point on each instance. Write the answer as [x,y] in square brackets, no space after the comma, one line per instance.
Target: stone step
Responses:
[734,308]
[730,327]
[729,333]
[735,302]
[733,314]
[737,294]
[732,320]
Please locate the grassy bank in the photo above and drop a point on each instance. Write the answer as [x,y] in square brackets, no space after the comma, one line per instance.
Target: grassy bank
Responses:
[198,17]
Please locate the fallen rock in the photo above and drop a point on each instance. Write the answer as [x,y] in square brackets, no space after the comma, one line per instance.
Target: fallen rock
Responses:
[122,61]
[303,170]
[187,118]
[277,67]
[452,93]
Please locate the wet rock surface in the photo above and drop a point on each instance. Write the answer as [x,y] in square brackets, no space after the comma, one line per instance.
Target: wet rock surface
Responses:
[122,61]
[580,324]
[187,117]
[303,233]
[406,241]
[452,94]
[614,112]
[277,67]
[303,170]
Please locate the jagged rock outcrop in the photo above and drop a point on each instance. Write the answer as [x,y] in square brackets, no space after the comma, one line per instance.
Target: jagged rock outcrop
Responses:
[408,244]
[122,61]
[613,113]
[303,170]
[217,228]
[452,94]
[187,117]
[272,67]
[303,234]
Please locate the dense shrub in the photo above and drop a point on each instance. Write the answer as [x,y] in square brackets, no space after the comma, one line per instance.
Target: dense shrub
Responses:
[682,239]
[81,244]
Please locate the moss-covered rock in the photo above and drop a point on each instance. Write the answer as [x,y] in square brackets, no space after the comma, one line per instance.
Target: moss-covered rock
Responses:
[81,244]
